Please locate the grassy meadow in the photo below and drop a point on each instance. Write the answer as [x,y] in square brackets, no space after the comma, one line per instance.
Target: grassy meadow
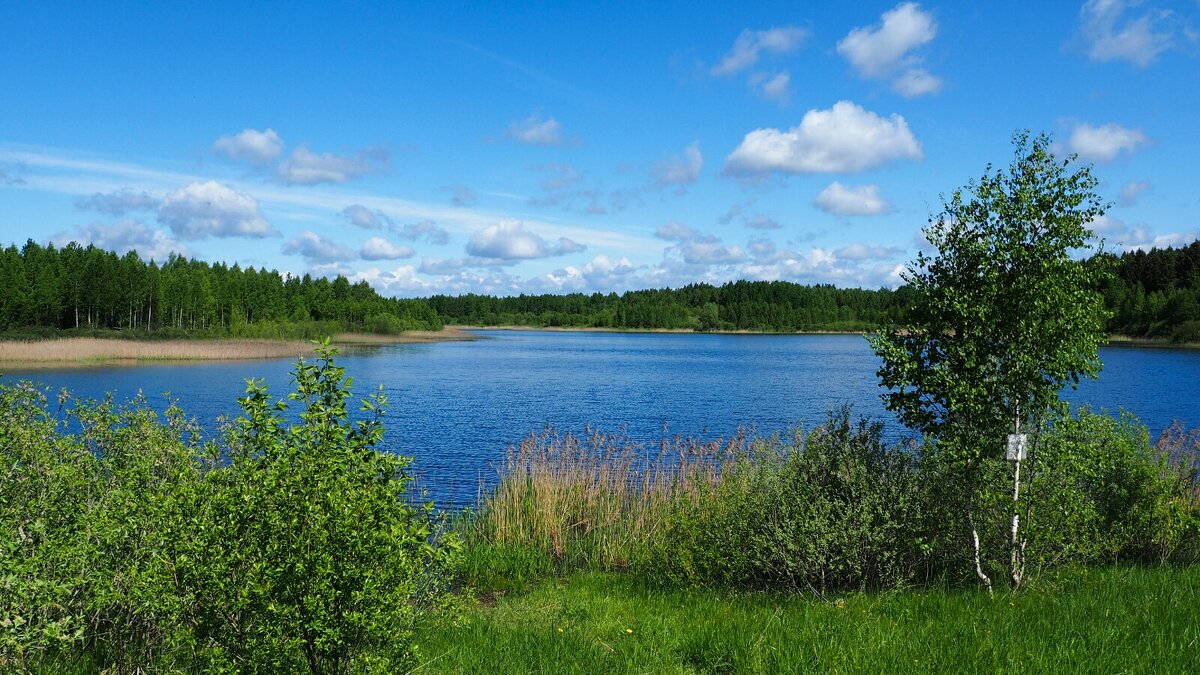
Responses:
[1112,620]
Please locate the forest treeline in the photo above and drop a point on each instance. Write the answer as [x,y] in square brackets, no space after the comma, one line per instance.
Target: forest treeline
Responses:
[770,306]
[88,288]
[1151,294]
[1156,294]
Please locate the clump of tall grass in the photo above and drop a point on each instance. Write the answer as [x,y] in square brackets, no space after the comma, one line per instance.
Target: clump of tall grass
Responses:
[830,508]
[593,499]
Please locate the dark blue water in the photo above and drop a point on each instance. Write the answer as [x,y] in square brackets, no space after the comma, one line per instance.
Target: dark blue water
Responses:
[457,406]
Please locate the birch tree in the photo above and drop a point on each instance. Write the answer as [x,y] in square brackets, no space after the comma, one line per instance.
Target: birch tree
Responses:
[1006,313]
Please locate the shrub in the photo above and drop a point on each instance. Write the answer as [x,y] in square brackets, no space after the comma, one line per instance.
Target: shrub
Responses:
[832,509]
[293,546]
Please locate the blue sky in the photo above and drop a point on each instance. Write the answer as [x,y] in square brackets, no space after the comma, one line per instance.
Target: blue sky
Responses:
[449,148]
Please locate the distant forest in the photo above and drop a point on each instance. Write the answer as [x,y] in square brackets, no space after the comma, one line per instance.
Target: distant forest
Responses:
[1153,294]
[773,306]
[1156,294]
[88,289]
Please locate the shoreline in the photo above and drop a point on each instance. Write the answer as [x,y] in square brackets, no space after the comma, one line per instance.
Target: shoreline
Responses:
[75,352]
[1112,341]
[686,331]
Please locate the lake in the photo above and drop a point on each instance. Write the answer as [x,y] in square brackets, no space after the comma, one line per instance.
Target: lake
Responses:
[456,406]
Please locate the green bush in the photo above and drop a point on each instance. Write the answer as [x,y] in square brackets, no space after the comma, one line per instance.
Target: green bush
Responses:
[291,546]
[833,509]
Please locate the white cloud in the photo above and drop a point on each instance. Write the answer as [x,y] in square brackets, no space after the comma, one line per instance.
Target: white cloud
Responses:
[750,44]
[431,231]
[401,280]
[1113,33]
[305,167]
[509,240]
[882,50]
[843,139]
[1130,192]
[360,216]
[680,170]
[774,87]
[845,200]
[210,209]
[315,249]
[916,82]
[1104,143]
[698,252]
[674,231]
[252,146]
[1126,237]
[858,251]
[117,203]
[123,236]
[534,130]
[378,248]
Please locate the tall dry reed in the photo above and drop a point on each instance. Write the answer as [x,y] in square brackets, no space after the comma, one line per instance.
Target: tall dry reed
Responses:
[593,499]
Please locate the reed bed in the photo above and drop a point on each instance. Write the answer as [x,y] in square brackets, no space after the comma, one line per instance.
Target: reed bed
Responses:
[76,351]
[592,500]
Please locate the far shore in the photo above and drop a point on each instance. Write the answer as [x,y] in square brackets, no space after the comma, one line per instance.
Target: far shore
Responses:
[1113,340]
[85,351]
[593,329]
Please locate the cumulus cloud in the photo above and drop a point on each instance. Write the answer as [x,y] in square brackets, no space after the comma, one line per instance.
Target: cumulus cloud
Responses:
[211,209]
[509,240]
[750,44]
[680,170]
[843,139]
[700,252]
[1128,237]
[534,130]
[1130,192]
[858,251]
[368,219]
[124,236]
[399,281]
[1104,143]
[117,203]
[305,167]
[251,146]
[378,248]
[885,49]
[846,200]
[1112,31]
[315,249]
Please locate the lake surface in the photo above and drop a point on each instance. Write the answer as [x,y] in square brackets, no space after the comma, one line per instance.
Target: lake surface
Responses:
[457,406]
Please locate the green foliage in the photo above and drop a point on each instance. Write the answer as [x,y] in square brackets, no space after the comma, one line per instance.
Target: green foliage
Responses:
[292,546]
[328,554]
[833,509]
[1005,314]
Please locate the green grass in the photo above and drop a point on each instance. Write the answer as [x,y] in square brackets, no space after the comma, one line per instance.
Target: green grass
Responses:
[1116,620]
